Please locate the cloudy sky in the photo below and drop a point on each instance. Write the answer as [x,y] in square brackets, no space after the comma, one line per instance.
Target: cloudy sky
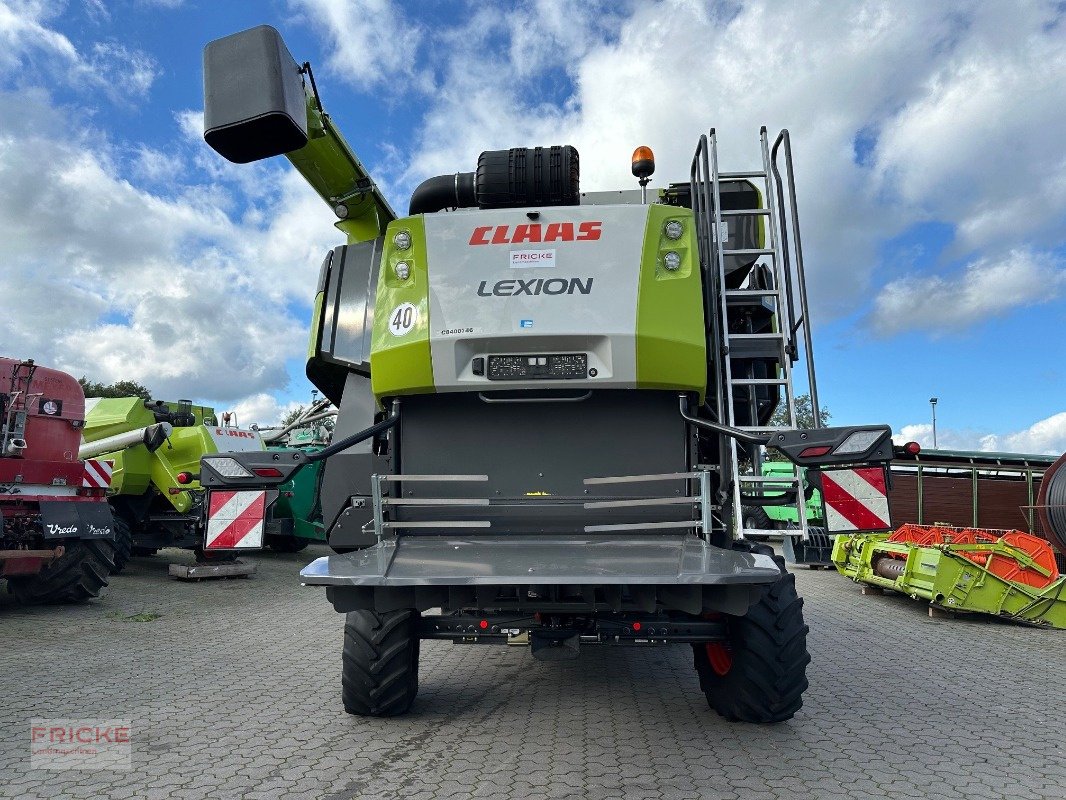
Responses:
[928,140]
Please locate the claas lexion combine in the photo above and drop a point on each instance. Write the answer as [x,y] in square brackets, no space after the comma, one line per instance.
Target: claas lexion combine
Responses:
[549,402]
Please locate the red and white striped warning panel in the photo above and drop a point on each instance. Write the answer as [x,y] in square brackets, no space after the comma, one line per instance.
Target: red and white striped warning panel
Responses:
[96,473]
[235,520]
[856,500]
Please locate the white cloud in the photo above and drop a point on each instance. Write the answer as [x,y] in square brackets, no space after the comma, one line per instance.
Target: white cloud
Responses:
[957,109]
[120,70]
[262,409]
[114,281]
[28,44]
[1048,437]
[979,143]
[371,41]
[985,288]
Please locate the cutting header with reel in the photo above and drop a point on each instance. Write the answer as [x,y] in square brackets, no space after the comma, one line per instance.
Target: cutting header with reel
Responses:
[552,403]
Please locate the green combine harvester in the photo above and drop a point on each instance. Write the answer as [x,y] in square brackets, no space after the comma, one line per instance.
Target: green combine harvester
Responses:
[547,401]
[156,448]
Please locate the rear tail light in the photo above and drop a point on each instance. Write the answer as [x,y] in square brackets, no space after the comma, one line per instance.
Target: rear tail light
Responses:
[811,452]
[858,442]
[183,478]
[268,472]
[913,448]
[227,467]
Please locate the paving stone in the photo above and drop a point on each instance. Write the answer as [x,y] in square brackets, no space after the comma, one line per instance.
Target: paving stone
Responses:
[234,692]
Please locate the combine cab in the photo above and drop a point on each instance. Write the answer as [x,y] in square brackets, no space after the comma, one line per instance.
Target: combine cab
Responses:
[57,535]
[550,402]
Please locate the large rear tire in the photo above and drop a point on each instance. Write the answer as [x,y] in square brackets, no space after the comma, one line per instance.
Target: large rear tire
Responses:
[123,544]
[379,672]
[759,673]
[286,544]
[756,518]
[76,576]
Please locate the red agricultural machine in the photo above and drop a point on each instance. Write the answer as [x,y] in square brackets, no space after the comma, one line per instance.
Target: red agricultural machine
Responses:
[56,530]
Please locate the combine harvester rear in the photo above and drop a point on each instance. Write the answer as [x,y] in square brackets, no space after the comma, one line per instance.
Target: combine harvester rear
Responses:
[550,402]
[155,491]
[1007,574]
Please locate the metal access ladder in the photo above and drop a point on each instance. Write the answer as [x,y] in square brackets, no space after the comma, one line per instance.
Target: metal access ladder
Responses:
[772,288]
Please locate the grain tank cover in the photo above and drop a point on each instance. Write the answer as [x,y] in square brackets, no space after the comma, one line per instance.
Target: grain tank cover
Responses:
[254,100]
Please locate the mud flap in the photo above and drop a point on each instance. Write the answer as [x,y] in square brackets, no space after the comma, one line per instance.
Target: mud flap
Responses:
[77,520]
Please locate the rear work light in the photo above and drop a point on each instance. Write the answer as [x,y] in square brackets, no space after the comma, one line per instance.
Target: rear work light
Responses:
[228,467]
[858,442]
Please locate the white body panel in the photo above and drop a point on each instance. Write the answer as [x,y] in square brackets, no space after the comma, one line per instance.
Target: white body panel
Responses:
[562,289]
[235,440]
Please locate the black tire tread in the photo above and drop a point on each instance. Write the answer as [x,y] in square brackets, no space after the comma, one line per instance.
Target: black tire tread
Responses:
[78,575]
[768,677]
[286,544]
[759,517]
[122,545]
[379,673]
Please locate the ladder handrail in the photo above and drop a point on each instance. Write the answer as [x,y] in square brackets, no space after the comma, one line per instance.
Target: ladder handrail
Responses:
[801,279]
[701,213]
[705,189]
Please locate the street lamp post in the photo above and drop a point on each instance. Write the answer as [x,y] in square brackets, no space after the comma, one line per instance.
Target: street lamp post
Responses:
[932,402]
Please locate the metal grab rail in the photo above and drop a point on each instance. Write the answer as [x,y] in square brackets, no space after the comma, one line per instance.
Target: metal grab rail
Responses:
[784,141]
[702,500]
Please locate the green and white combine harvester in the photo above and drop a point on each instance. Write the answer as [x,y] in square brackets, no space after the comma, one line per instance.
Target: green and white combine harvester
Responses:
[548,402]
[155,493]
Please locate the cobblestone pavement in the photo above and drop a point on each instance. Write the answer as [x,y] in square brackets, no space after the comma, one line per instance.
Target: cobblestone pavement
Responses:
[233,691]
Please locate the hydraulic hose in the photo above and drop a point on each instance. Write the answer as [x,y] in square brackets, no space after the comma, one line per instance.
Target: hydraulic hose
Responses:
[1051,503]
[354,439]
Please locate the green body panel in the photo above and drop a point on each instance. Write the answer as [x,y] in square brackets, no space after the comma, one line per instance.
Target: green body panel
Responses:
[788,515]
[298,499]
[339,177]
[670,340]
[136,470]
[402,364]
[114,415]
[946,578]
[181,453]
[132,473]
